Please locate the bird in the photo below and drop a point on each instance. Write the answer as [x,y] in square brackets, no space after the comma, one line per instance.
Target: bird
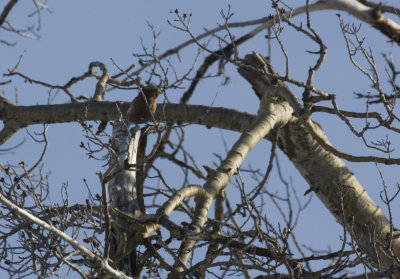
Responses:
[140,110]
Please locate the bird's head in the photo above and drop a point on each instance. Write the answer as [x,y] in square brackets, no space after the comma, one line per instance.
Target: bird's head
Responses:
[151,91]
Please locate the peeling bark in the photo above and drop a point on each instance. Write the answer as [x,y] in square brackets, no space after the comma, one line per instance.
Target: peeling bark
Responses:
[122,192]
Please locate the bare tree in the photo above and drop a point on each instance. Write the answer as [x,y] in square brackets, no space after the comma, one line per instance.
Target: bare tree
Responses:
[137,224]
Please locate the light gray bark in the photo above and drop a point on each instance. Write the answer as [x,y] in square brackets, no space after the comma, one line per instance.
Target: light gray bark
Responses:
[331,180]
[275,111]
[122,187]
[122,190]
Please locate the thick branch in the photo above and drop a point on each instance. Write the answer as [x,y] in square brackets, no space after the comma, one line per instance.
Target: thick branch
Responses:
[17,117]
[23,116]
[274,112]
[7,10]
[334,183]
[325,172]
[370,15]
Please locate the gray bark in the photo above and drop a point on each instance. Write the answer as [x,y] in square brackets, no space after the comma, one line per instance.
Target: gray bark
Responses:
[331,180]
[122,191]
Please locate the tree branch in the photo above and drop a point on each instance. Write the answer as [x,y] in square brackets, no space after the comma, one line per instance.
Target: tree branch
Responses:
[336,186]
[7,10]
[75,244]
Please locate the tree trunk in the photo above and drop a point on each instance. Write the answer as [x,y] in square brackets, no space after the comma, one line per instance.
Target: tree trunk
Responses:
[334,184]
[122,192]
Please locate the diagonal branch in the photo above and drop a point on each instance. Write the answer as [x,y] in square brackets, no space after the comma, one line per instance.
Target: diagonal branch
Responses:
[75,244]
[371,15]
[274,112]
[7,10]
[336,186]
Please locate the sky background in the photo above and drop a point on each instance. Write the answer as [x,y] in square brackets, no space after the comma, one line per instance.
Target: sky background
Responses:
[76,33]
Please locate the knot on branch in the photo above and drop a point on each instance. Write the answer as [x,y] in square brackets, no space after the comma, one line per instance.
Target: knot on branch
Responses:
[265,81]
[258,71]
